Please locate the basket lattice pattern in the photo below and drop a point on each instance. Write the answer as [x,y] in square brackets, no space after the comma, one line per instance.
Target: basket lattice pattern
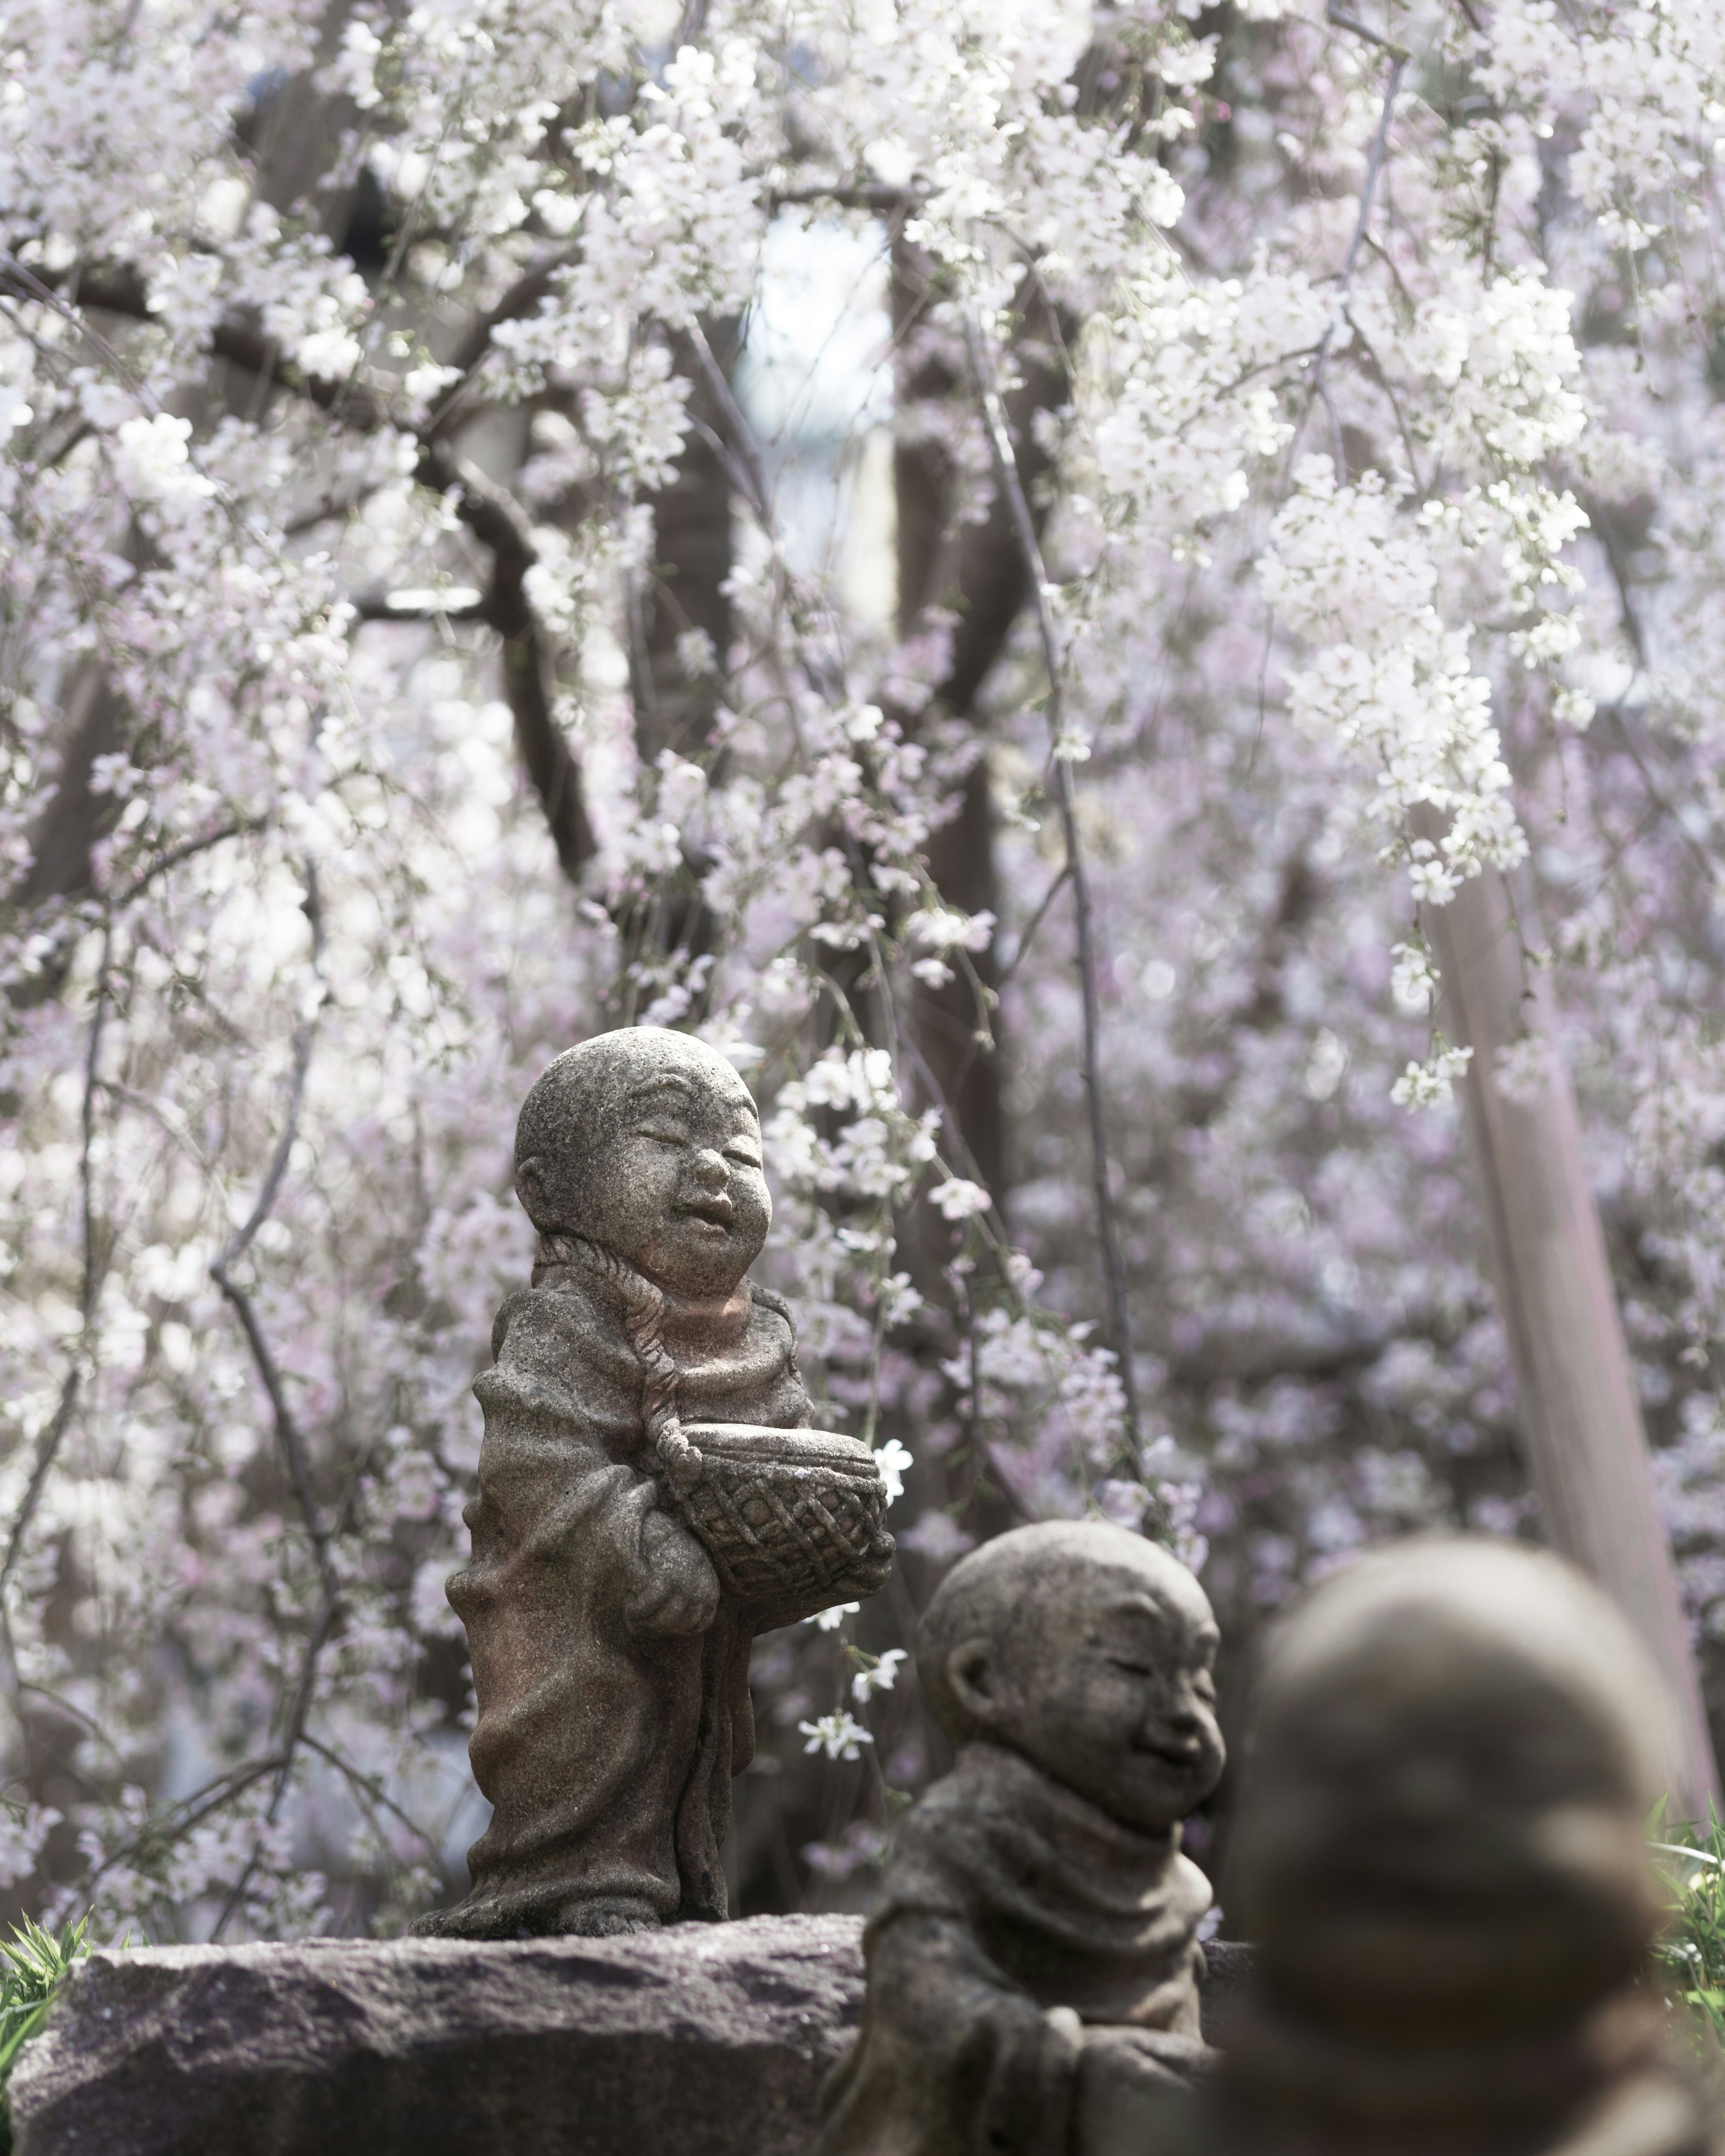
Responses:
[791,1517]
[783,1528]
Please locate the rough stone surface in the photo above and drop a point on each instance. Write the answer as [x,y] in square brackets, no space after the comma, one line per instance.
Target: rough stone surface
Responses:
[698,2041]
[1228,1965]
[1033,1967]
[702,2040]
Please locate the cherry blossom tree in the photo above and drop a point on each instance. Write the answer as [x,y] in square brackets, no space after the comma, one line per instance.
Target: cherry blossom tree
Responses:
[1302,441]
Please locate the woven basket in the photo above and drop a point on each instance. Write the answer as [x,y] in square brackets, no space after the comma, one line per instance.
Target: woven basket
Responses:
[792,1518]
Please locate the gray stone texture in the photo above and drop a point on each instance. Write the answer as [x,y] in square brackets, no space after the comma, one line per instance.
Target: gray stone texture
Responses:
[1033,1963]
[697,2038]
[650,1497]
[697,2041]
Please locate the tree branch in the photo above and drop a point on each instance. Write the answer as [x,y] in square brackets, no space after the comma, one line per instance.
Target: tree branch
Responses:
[288,1432]
[488,510]
[1114,1271]
[293,1444]
[476,345]
[1399,58]
[52,1438]
[497,521]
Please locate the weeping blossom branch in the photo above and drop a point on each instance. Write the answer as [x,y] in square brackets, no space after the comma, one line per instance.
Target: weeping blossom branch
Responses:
[1023,525]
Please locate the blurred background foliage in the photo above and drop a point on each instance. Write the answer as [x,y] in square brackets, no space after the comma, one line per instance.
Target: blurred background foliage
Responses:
[504,538]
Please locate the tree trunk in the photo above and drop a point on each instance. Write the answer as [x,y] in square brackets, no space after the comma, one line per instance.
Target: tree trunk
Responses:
[75,816]
[976,573]
[693,551]
[293,130]
[1586,1450]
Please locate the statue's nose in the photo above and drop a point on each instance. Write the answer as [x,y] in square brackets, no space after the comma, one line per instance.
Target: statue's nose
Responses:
[710,1167]
[1181,1719]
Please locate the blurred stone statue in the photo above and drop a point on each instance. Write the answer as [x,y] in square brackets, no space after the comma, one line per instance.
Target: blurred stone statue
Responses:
[650,1497]
[1033,1962]
[1441,1856]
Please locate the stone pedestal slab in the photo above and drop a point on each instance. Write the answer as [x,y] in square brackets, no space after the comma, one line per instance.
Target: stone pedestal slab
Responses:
[704,2039]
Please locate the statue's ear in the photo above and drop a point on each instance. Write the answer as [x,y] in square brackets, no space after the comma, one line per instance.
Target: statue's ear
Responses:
[972,1678]
[530,1187]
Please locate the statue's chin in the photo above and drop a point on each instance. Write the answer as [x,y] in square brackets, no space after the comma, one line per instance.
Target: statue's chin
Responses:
[703,1272]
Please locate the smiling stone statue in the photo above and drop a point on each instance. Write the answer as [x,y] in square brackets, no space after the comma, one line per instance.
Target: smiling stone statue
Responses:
[650,1497]
[1033,1962]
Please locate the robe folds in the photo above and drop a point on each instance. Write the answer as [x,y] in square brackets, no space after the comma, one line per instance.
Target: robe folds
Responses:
[1008,1895]
[607,1755]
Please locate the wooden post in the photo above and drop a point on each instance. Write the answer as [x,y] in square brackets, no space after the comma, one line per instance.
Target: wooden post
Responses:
[1587,1449]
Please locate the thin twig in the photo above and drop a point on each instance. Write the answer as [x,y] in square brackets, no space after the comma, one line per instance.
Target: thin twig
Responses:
[287,1429]
[742,433]
[52,1438]
[303,1033]
[884,201]
[45,1453]
[31,286]
[1114,1271]
[1036,922]
[86,1172]
[173,858]
[1703,860]
[328,509]
[1342,21]
[1399,56]
[370,1788]
[193,1811]
[1004,1482]
[167,1118]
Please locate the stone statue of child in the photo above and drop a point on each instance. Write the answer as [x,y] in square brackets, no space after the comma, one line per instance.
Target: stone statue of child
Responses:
[1441,1857]
[610,1669]
[1033,1959]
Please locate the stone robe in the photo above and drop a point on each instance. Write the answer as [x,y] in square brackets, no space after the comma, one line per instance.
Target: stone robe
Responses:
[1008,1895]
[607,1756]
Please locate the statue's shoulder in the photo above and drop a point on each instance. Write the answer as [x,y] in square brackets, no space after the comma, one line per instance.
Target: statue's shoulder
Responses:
[562,1311]
[773,1324]
[931,1872]
[773,1305]
[949,1852]
[942,1820]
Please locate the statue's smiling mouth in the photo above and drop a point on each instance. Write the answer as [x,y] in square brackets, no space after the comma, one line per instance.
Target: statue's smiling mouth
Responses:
[715,1212]
[1171,1751]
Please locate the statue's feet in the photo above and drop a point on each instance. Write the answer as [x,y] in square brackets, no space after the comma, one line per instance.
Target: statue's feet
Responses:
[607,1919]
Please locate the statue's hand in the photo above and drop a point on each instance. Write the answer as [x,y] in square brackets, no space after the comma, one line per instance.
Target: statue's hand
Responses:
[1146,2054]
[1133,2085]
[675,1590]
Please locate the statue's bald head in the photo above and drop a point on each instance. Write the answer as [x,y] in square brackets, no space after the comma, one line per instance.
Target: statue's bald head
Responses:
[1007,1590]
[1087,1650]
[648,1143]
[578,1102]
[1456,1744]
